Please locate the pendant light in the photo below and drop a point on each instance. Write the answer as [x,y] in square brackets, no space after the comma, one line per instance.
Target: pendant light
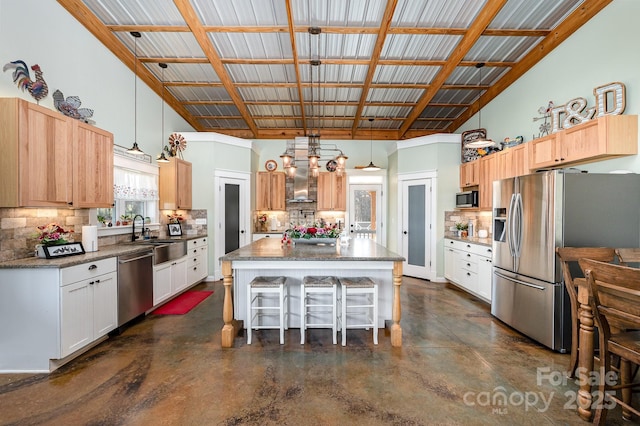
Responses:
[135,149]
[162,158]
[482,141]
[371,167]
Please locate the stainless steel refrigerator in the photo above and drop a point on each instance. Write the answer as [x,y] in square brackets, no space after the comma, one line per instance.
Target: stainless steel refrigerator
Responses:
[534,214]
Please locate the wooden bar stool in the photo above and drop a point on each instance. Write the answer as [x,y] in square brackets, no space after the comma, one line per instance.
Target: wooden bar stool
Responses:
[318,300]
[274,291]
[359,299]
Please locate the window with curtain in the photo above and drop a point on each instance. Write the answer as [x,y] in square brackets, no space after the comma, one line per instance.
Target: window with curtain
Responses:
[134,192]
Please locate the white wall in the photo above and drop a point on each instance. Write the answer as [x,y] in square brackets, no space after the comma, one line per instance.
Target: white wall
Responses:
[601,52]
[75,62]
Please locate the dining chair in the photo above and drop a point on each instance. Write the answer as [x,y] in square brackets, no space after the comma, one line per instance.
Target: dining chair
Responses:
[571,274]
[615,301]
[628,255]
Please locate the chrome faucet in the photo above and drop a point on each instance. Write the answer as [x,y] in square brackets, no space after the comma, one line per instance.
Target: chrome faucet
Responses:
[133,227]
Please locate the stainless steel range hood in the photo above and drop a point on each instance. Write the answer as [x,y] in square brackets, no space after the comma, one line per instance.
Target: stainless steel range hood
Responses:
[301,180]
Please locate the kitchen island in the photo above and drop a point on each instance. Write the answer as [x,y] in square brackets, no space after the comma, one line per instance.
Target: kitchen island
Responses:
[362,257]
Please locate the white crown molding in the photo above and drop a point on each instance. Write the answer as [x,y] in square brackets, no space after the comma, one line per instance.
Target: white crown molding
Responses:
[216,137]
[429,139]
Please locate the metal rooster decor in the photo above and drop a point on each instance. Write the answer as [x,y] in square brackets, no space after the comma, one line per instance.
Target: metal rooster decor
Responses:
[22,78]
[71,107]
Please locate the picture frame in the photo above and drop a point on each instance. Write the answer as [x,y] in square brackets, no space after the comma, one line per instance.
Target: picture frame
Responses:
[61,250]
[174,229]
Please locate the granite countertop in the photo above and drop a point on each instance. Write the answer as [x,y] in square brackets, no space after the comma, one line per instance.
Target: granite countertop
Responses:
[474,240]
[103,252]
[271,249]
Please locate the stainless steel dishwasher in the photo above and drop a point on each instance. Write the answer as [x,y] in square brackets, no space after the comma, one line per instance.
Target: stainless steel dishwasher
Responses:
[135,285]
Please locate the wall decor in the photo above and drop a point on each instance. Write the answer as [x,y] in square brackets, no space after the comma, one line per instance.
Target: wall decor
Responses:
[177,144]
[174,229]
[271,165]
[610,100]
[71,107]
[470,154]
[22,78]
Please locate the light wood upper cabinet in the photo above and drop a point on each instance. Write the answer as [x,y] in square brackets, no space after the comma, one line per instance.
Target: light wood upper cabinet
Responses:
[488,169]
[175,185]
[513,162]
[469,174]
[92,166]
[50,160]
[332,191]
[603,138]
[270,191]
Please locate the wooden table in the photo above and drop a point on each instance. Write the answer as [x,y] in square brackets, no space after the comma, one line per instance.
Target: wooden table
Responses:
[268,256]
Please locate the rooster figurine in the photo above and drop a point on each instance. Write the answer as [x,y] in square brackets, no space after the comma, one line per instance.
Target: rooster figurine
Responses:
[21,77]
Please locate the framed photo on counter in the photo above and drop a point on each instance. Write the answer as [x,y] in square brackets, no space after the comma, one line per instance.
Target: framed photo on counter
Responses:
[174,229]
[60,250]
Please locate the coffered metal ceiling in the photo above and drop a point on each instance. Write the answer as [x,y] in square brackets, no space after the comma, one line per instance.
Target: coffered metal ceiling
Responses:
[242,67]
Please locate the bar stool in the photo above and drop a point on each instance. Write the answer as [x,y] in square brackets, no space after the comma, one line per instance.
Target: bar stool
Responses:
[318,299]
[267,289]
[359,303]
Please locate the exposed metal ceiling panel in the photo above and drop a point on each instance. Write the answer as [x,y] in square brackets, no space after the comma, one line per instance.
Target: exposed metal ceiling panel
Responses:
[242,67]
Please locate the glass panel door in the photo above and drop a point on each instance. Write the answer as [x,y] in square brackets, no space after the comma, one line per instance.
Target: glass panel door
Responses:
[365,219]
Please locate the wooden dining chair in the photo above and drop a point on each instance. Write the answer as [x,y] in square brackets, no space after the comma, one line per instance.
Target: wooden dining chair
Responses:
[571,273]
[615,301]
[628,255]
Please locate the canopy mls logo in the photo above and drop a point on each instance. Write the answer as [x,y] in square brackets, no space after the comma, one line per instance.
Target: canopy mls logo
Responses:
[610,100]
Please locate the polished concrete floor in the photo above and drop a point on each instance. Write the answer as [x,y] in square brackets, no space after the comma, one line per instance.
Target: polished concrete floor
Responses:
[456,366]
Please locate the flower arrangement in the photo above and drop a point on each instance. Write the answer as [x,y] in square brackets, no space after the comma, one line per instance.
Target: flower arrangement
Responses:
[262,218]
[175,218]
[314,231]
[52,234]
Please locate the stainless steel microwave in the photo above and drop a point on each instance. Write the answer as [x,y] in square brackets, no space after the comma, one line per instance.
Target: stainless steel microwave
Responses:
[467,199]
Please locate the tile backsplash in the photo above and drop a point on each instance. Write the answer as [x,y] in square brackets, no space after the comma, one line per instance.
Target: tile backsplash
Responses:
[18,226]
[482,220]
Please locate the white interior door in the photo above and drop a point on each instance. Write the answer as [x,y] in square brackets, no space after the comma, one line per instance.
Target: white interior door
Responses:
[366,212]
[232,222]
[416,227]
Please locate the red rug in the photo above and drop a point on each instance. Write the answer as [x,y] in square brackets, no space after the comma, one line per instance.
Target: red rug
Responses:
[183,303]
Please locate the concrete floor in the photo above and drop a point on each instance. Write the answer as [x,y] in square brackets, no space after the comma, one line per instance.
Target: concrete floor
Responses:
[456,362]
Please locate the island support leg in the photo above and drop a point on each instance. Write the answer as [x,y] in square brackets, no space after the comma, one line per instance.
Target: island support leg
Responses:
[228,330]
[396,329]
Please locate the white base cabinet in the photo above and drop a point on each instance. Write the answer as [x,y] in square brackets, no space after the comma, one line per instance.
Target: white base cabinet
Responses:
[468,266]
[169,279]
[197,260]
[50,315]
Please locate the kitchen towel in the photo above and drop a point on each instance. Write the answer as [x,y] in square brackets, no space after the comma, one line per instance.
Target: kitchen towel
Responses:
[90,238]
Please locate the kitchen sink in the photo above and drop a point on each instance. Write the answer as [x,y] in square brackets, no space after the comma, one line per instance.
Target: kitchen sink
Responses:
[165,250]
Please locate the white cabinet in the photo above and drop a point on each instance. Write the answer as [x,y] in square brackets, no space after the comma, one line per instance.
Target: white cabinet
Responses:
[161,283]
[197,260]
[257,237]
[169,279]
[88,303]
[468,266]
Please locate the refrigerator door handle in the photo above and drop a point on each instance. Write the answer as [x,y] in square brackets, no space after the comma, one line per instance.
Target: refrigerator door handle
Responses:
[518,225]
[509,225]
[537,287]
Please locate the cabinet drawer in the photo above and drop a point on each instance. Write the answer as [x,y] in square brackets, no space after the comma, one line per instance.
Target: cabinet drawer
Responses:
[198,242]
[87,270]
[480,250]
[468,262]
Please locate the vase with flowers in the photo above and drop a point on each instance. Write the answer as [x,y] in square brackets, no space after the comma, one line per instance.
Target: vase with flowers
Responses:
[50,235]
[314,234]
[262,222]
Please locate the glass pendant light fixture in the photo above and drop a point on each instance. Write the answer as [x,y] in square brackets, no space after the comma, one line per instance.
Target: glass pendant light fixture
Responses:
[162,158]
[371,167]
[135,149]
[482,141]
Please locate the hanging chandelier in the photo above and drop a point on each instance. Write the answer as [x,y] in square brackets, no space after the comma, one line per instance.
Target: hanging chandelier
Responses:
[371,167]
[134,148]
[482,141]
[162,158]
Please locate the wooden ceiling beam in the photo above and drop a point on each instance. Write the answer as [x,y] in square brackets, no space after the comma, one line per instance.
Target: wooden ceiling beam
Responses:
[296,64]
[484,18]
[82,14]
[189,15]
[578,18]
[375,57]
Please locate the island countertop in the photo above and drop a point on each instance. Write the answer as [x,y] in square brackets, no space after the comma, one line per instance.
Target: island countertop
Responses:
[271,249]
[269,256]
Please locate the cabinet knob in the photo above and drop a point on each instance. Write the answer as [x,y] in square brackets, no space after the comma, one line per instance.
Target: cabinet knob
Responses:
[90,282]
